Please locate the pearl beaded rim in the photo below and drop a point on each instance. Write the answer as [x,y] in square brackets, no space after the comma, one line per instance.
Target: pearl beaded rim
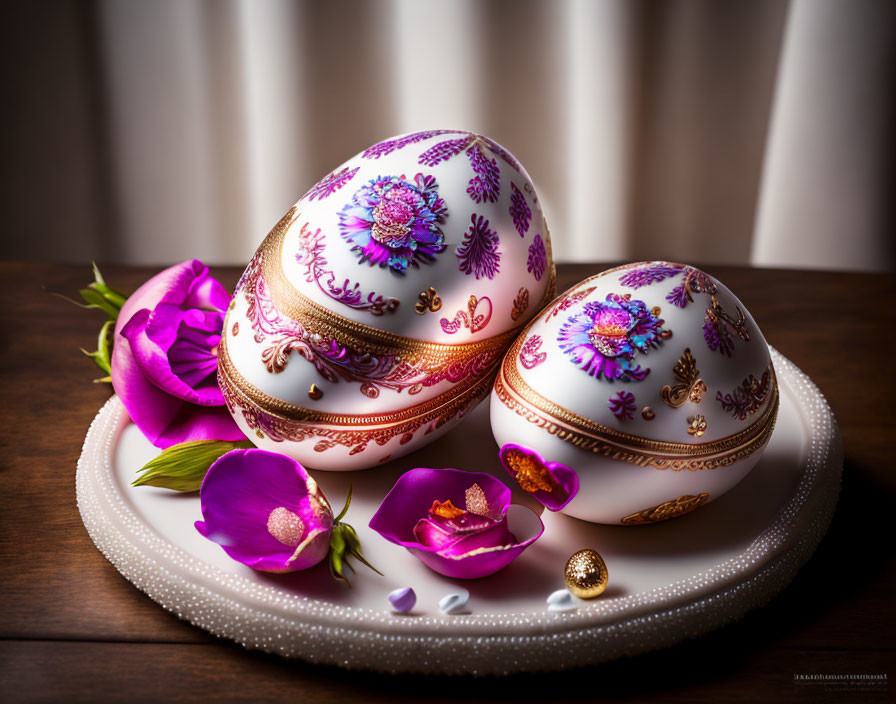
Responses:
[265,618]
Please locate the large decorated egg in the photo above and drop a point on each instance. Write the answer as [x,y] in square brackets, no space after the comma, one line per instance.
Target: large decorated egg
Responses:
[636,396]
[374,315]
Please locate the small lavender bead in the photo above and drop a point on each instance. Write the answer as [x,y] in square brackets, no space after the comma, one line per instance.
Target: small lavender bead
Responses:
[403,600]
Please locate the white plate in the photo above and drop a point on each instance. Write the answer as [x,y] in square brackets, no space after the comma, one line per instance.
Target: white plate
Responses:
[668,581]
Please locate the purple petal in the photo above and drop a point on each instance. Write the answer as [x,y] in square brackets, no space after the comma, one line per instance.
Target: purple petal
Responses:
[164,419]
[564,481]
[239,494]
[524,524]
[166,407]
[474,554]
[168,325]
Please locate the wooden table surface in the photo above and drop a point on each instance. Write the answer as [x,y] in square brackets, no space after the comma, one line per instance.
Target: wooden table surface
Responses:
[73,629]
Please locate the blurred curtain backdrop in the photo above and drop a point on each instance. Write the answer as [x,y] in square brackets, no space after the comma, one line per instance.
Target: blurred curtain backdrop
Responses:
[696,130]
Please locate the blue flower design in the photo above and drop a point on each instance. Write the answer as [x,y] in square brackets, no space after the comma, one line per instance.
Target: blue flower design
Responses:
[604,337]
[391,222]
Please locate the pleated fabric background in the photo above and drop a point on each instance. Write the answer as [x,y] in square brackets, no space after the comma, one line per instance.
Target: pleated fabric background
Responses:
[708,131]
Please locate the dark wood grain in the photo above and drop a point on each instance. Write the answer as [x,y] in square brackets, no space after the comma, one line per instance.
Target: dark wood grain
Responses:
[72,628]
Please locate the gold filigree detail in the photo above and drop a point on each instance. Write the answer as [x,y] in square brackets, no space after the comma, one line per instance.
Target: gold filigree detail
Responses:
[520,304]
[668,509]
[236,383]
[647,413]
[316,320]
[739,324]
[314,393]
[427,301]
[690,386]
[359,437]
[530,475]
[697,425]
[589,436]
[235,330]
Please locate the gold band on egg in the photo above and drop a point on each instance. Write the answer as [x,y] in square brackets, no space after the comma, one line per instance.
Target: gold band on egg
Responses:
[587,435]
[235,385]
[318,320]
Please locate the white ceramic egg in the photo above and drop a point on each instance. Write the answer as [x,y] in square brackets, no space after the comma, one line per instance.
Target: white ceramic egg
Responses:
[374,315]
[649,386]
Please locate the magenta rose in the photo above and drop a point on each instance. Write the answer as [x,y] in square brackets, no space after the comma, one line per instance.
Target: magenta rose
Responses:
[164,359]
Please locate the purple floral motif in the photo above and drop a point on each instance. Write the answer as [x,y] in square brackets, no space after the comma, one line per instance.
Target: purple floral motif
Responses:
[538,258]
[394,223]
[519,210]
[479,253]
[486,182]
[530,353]
[328,185]
[486,185]
[694,281]
[605,336]
[423,514]
[265,511]
[550,483]
[390,145]
[622,405]
[311,254]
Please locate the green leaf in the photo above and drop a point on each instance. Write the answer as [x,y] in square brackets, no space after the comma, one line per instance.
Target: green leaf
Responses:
[354,547]
[116,298]
[183,467]
[95,299]
[97,276]
[342,539]
[337,552]
[348,500]
[103,355]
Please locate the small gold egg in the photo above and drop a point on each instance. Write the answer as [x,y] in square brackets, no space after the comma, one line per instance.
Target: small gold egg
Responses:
[586,574]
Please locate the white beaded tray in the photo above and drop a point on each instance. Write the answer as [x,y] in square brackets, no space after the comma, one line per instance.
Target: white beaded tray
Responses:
[668,581]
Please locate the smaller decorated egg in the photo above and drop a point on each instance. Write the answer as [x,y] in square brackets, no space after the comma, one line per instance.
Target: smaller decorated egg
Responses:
[636,396]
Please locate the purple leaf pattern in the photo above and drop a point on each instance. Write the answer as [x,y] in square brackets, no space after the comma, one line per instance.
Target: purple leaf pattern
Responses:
[443,151]
[328,185]
[486,184]
[390,145]
[519,210]
[748,397]
[478,253]
[650,274]
[538,258]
